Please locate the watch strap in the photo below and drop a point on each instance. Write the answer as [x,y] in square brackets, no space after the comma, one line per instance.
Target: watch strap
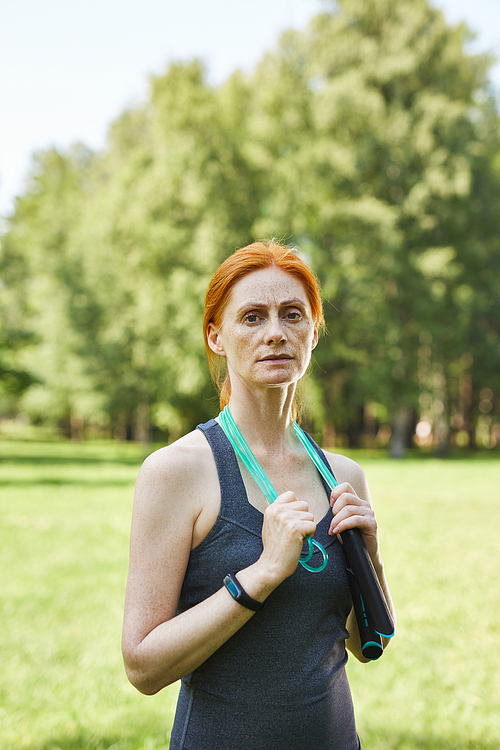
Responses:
[239,594]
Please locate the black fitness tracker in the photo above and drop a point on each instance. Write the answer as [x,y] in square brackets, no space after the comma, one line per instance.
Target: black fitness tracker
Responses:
[239,594]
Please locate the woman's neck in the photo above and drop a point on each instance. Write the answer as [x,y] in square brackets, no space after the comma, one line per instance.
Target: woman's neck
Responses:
[265,418]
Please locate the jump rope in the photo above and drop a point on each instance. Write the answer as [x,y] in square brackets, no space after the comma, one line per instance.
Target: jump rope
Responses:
[372,614]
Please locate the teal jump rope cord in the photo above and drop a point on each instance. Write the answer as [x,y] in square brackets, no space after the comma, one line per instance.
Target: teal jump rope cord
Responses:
[244,452]
[327,475]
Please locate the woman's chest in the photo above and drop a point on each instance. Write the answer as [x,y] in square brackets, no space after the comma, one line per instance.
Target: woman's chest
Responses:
[303,481]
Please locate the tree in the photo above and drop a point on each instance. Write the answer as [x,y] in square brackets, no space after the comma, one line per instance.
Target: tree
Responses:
[42,280]
[167,202]
[370,140]
[370,126]
[15,337]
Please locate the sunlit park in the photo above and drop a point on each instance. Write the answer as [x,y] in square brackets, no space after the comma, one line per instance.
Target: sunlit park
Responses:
[365,134]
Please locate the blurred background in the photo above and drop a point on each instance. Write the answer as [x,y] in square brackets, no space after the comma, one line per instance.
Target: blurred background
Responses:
[141,144]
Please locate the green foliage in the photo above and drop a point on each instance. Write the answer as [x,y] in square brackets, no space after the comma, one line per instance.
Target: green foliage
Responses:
[370,139]
[388,151]
[13,380]
[41,279]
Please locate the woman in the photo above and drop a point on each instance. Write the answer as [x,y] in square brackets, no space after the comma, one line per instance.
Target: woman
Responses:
[253,678]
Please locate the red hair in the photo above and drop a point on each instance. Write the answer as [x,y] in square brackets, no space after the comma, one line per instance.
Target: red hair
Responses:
[254,257]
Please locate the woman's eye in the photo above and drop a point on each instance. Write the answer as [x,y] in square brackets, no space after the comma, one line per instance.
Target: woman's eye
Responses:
[293,315]
[251,318]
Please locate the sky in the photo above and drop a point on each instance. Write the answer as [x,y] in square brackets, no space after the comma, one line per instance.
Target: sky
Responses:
[69,67]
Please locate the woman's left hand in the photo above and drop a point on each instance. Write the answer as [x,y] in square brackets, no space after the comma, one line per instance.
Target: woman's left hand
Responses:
[351,511]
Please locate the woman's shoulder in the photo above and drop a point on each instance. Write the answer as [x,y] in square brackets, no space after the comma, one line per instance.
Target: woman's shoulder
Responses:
[346,470]
[177,486]
[178,459]
[185,451]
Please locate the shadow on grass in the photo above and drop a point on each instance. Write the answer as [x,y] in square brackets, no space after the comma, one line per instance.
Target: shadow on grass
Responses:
[89,741]
[411,741]
[66,482]
[403,741]
[44,460]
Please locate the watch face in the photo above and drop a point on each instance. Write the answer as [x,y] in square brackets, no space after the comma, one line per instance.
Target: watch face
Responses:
[232,588]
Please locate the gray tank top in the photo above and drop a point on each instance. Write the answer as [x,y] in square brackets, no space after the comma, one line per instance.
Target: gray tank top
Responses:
[279,683]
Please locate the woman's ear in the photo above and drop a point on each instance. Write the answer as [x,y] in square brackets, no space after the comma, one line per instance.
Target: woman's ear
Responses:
[214,341]
[315,339]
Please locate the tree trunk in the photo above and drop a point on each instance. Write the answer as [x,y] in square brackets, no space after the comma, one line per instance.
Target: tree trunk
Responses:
[400,425]
[355,427]
[142,432]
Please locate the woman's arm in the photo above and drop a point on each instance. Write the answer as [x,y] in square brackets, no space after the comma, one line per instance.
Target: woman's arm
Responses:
[352,508]
[159,646]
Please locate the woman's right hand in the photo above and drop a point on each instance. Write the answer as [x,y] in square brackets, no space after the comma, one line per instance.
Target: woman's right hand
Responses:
[287,521]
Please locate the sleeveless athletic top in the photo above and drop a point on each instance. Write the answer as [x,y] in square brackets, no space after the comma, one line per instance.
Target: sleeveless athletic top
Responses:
[279,683]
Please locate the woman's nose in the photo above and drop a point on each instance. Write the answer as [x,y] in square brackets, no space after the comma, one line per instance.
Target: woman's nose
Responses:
[275,332]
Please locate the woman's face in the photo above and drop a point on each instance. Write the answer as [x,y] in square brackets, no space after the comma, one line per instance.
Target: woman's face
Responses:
[267,331]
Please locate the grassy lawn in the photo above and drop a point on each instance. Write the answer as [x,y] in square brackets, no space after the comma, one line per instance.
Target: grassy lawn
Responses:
[65,516]
[438,685]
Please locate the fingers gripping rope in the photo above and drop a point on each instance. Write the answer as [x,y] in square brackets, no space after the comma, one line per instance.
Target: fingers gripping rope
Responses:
[244,452]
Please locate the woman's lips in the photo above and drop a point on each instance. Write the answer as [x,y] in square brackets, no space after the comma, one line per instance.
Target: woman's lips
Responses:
[276,358]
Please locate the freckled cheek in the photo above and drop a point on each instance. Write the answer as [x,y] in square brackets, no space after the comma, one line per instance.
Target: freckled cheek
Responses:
[238,349]
[240,345]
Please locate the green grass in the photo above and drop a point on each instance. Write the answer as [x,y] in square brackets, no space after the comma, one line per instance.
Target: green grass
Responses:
[65,516]
[438,685]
